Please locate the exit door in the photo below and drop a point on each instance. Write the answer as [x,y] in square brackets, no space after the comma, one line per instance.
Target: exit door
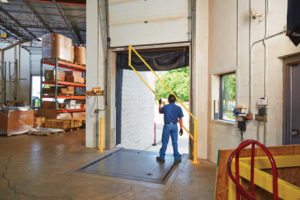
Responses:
[295,105]
[292,108]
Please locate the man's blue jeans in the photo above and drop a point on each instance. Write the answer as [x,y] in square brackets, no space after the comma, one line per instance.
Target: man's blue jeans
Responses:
[169,129]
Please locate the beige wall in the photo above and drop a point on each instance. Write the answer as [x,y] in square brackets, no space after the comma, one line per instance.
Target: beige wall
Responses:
[222,59]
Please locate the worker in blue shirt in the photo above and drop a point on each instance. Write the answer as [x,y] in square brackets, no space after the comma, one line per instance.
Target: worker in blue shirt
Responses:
[172,115]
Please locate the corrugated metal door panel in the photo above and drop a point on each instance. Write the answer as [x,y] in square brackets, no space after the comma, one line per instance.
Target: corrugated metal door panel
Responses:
[139,22]
[125,13]
[151,33]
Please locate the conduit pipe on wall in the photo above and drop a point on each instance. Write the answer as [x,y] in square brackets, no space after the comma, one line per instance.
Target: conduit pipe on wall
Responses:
[193,69]
[265,61]
[265,77]
[237,64]
[107,40]
[250,57]
[237,53]
[265,47]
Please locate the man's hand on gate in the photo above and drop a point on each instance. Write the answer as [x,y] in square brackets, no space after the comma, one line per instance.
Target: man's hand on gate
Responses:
[181,132]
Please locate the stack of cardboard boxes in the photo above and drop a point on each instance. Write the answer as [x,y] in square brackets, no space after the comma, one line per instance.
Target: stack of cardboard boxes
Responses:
[68,76]
[65,91]
[50,75]
[59,46]
[69,90]
[74,76]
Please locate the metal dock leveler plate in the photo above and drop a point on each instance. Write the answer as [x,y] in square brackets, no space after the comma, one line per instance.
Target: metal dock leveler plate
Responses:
[134,165]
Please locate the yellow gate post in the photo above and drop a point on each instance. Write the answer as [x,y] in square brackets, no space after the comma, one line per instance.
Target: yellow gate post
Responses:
[100,135]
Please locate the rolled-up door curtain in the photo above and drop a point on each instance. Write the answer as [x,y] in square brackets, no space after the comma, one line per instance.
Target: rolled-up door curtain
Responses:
[161,60]
[293,21]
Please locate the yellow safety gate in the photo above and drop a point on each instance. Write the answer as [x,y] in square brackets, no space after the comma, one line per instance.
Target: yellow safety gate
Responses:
[263,179]
[195,137]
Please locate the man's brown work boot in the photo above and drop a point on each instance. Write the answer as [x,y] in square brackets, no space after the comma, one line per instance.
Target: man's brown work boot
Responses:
[178,161]
[160,160]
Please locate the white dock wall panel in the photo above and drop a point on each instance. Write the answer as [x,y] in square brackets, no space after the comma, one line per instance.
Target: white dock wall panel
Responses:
[140,22]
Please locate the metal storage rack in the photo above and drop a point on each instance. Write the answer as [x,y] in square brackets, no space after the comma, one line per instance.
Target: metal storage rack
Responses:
[56,63]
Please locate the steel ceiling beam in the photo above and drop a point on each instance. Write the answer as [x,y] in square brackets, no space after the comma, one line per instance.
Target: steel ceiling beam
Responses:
[11,29]
[38,16]
[68,2]
[14,45]
[17,22]
[41,27]
[43,14]
[5,30]
[74,32]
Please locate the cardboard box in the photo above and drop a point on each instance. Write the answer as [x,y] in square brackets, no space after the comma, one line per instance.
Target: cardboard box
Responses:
[63,123]
[48,105]
[79,115]
[72,79]
[75,79]
[72,54]
[50,75]
[73,73]
[81,80]
[13,122]
[71,88]
[57,46]
[59,123]
[80,55]
[39,122]
[64,116]
[65,91]
[51,91]
[52,114]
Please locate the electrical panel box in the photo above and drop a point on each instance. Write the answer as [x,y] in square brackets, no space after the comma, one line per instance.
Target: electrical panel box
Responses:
[262,101]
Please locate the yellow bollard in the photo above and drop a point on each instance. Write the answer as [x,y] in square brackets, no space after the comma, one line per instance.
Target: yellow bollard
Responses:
[100,135]
[195,141]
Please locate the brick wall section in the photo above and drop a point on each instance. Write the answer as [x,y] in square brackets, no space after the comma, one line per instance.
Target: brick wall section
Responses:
[137,111]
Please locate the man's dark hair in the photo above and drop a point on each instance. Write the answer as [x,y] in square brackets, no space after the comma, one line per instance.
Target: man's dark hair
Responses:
[171,98]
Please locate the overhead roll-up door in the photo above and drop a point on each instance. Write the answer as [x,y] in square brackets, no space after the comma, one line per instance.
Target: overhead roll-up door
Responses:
[140,22]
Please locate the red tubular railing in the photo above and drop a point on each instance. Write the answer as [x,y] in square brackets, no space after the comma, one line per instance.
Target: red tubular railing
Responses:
[240,191]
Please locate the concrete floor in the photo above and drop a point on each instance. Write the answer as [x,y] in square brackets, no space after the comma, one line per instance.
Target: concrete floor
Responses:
[44,167]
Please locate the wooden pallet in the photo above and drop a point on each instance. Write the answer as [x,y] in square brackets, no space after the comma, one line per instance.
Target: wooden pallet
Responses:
[44,131]
[65,124]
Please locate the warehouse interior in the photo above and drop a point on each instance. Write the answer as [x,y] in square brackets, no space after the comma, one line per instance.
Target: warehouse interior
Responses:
[79,99]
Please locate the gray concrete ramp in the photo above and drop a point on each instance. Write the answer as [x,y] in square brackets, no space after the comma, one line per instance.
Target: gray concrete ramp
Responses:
[133,164]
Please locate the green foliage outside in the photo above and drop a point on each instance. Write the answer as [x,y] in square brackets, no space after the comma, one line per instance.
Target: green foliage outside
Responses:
[229,87]
[229,96]
[178,81]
